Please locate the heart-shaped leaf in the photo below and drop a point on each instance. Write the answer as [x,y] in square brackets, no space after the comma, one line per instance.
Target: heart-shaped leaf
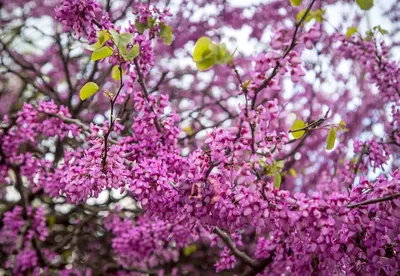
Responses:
[88,90]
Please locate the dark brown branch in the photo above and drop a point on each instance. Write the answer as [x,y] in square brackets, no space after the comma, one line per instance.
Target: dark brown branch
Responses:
[160,81]
[375,200]
[67,74]
[112,120]
[261,266]
[235,251]
[255,266]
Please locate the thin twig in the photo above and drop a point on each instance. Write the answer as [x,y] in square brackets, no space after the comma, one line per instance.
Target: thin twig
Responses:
[276,69]
[146,95]
[160,81]
[375,200]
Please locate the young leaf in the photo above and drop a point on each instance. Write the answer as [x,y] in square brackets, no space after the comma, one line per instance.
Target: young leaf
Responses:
[140,27]
[189,250]
[121,40]
[262,163]
[201,49]
[300,15]
[115,36]
[365,4]
[351,31]
[103,36]
[319,15]
[298,124]
[151,21]
[131,54]
[330,140]
[296,3]
[124,39]
[223,56]
[116,74]
[101,53]
[166,34]
[279,164]
[246,84]
[89,89]
[293,172]
[204,53]
[206,63]
[381,30]
[188,129]
[277,180]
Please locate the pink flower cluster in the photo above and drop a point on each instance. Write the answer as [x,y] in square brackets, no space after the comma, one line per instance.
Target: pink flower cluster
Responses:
[290,206]
[31,225]
[86,173]
[146,13]
[377,154]
[78,16]
[227,261]
[150,237]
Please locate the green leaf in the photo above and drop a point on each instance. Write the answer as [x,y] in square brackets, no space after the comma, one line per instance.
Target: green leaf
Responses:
[140,27]
[166,33]
[365,4]
[262,163]
[298,124]
[319,15]
[296,3]
[382,31]
[205,63]
[201,49]
[124,39]
[223,56]
[277,180]
[246,84]
[351,31]
[151,21]
[51,220]
[89,89]
[121,40]
[293,172]
[370,35]
[188,129]
[131,54]
[204,53]
[330,140]
[279,164]
[115,36]
[101,53]
[102,38]
[300,15]
[189,250]
[116,74]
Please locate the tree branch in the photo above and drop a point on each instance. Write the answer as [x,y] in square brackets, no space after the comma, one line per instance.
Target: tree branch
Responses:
[235,251]
[375,200]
